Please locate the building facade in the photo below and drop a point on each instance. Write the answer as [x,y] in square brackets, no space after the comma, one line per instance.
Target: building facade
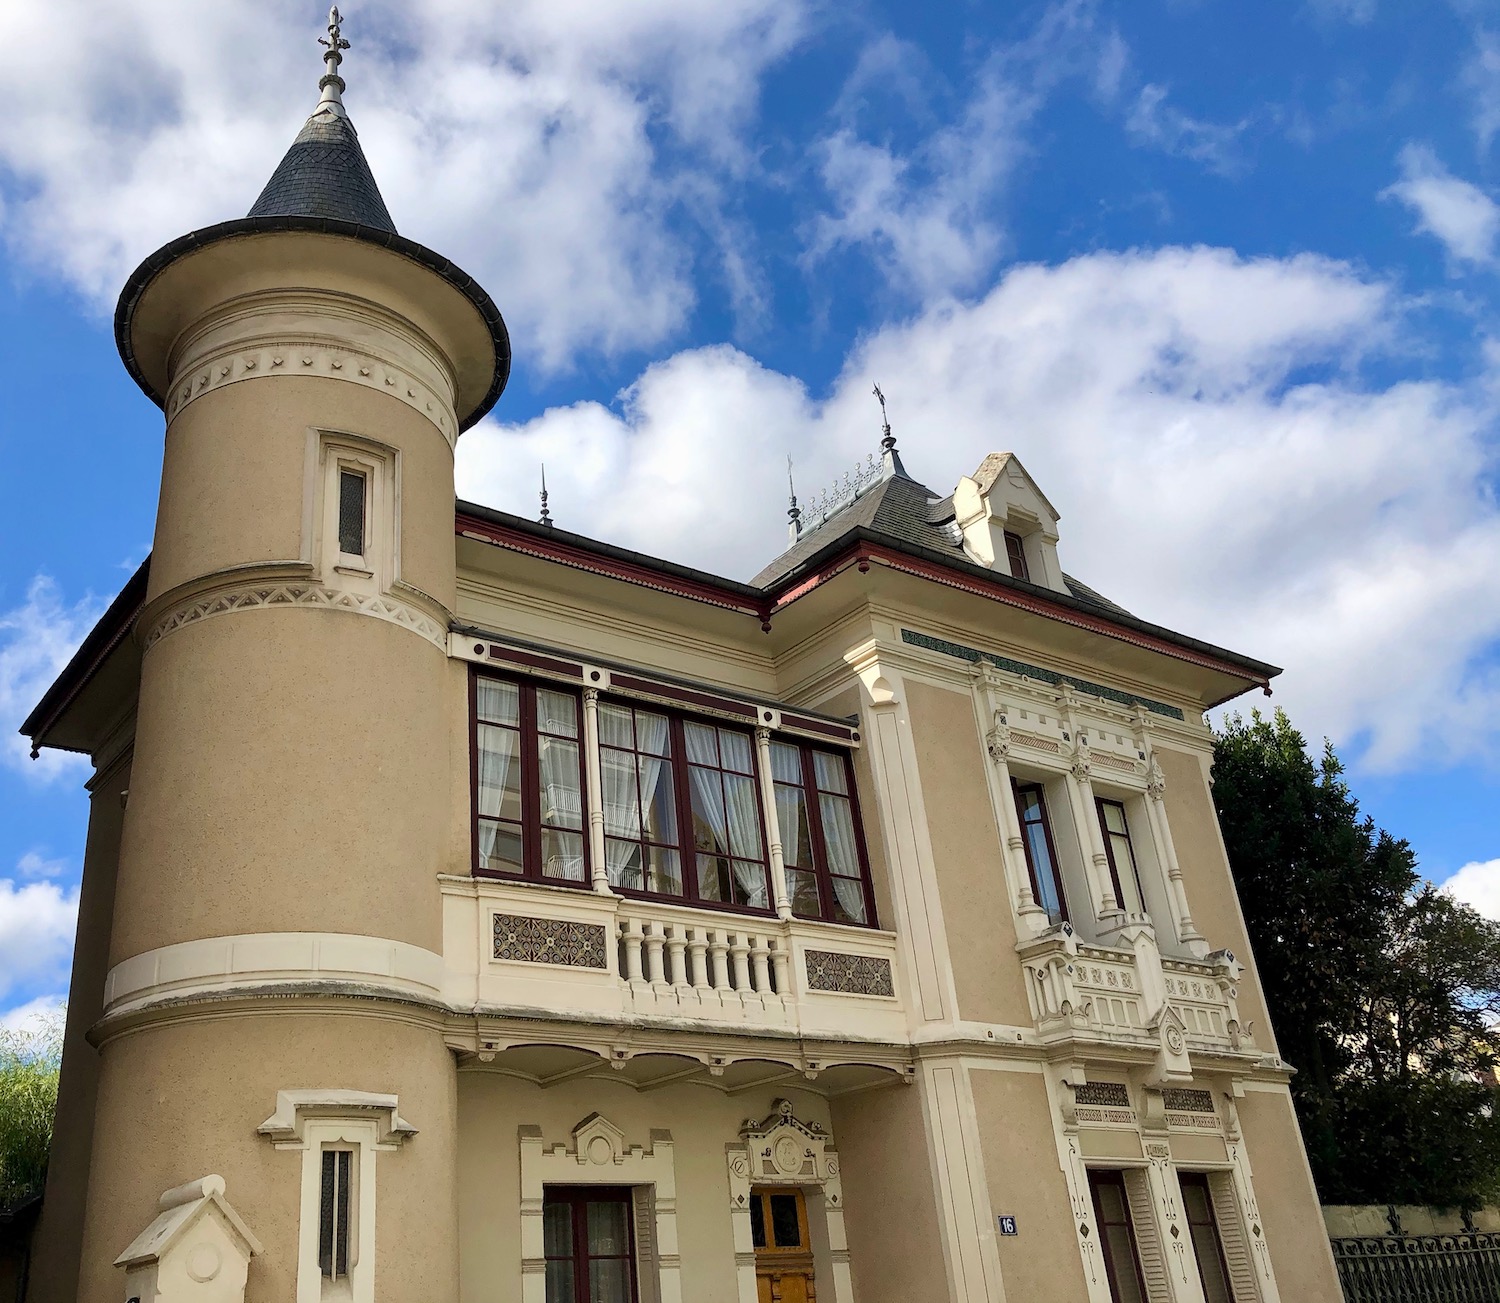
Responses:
[474,910]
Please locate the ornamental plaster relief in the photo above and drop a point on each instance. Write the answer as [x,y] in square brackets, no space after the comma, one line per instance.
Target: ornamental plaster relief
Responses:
[264,596]
[331,336]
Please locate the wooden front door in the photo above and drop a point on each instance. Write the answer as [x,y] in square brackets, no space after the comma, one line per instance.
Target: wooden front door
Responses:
[783,1252]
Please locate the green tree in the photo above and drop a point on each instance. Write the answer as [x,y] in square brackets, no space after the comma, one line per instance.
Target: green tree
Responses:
[1382,990]
[29,1063]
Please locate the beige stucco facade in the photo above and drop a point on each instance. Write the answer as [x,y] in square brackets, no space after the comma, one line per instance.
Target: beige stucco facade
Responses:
[285,951]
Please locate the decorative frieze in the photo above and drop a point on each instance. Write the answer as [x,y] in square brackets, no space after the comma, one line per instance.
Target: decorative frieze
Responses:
[1181,1099]
[846,974]
[549,941]
[1112,1094]
[270,596]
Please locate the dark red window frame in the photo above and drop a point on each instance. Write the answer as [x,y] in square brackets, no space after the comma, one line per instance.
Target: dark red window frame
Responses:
[1109,849]
[531,819]
[1015,552]
[1114,1177]
[1017,788]
[818,839]
[578,1197]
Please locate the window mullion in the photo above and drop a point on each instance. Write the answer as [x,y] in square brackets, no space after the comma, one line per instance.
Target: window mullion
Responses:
[682,783]
[531,796]
[823,873]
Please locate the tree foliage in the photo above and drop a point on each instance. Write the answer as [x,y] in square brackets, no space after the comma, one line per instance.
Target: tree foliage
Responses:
[29,1063]
[1383,991]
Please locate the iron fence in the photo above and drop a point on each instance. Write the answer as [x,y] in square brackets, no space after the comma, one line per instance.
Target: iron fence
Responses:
[1463,1268]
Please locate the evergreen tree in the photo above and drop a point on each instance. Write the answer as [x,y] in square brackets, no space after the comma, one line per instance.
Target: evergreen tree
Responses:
[1382,991]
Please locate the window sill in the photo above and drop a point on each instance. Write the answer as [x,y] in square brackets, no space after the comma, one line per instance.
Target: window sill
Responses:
[358,571]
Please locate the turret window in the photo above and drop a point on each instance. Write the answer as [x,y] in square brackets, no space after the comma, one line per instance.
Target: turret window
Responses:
[352,493]
[334,1219]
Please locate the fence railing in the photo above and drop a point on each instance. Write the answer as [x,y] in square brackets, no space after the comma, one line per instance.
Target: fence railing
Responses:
[1463,1268]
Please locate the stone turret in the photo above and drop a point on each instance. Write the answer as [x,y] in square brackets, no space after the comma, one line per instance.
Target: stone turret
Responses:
[286,821]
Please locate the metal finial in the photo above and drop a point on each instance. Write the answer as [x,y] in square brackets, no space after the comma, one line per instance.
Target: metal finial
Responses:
[887,439]
[546,517]
[794,512]
[331,84]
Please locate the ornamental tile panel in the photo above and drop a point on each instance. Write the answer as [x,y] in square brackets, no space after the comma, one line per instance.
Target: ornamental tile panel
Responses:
[549,941]
[831,970]
[1182,1100]
[1109,1094]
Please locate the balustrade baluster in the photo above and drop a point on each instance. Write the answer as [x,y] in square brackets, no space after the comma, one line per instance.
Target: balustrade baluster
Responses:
[741,953]
[654,943]
[677,955]
[698,955]
[760,965]
[781,968]
[718,950]
[633,936]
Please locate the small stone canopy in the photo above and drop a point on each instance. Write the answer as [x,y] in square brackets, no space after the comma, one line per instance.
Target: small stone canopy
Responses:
[197,1248]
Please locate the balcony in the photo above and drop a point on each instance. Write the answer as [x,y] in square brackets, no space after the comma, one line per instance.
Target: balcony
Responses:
[1130,995]
[612,964]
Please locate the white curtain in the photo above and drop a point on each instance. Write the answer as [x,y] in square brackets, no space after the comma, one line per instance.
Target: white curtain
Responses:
[743,816]
[792,816]
[497,752]
[850,895]
[838,835]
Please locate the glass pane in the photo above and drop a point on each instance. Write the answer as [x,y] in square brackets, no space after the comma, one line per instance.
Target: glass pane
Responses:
[609,1280]
[562,855]
[561,782]
[651,734]
[829,772]
[352,513]
[622,817]
[713,878]
[786,763]
[325,1214]
[791,814]
[710,826]
[614,726]
[623,863]
[802,886]
[341,1215]
[1111,1200]
[757,1222]
[849,900]
[500,848]
[734,751]
[702,749]
[1195,1201]
[499,772]
[1114,816]
[665,872]
[499,703]
[784,1228]
[658,800]
[1121,1254]
[750,884]
[608,1226]
[838,835]
[1210,1264]
[556,712]
[557,1230]
[560,1280]
[743,813]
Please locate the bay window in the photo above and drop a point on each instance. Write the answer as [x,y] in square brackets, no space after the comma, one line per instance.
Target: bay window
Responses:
[681,800]
[826,875]
[528,782]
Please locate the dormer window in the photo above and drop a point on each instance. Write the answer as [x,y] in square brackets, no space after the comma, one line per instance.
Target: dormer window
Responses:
[1015,551]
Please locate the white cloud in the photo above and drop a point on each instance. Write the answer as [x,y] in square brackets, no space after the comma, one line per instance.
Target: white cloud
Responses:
[34,864]
[29,1016]
[36,640]
[37,922]
[1477,884]
[1201,421]
[1459,214]
[539,144]
[1482,78]
[1153,121]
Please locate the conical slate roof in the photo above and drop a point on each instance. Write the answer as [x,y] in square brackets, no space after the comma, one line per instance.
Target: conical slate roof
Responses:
[324,174]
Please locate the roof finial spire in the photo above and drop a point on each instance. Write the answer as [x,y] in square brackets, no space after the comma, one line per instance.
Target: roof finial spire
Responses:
[794,512]
[332,85]
[890,459]
[546,516]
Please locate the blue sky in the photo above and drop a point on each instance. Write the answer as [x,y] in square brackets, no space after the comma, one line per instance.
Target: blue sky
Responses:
[1224,276]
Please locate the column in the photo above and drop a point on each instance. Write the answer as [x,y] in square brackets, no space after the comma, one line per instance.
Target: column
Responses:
[594,777]
[1156,786]
[773,824]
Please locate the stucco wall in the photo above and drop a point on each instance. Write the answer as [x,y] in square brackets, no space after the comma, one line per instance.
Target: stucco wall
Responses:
[1300,1254]
[55,1248]
[703,1122]
[890,1199]
[967,855]
[1016,1128]
[181,1100]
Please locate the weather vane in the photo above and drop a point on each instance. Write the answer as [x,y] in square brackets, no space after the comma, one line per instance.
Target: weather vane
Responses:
[546,517]
[336,43]
[887,442]
[332,85]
